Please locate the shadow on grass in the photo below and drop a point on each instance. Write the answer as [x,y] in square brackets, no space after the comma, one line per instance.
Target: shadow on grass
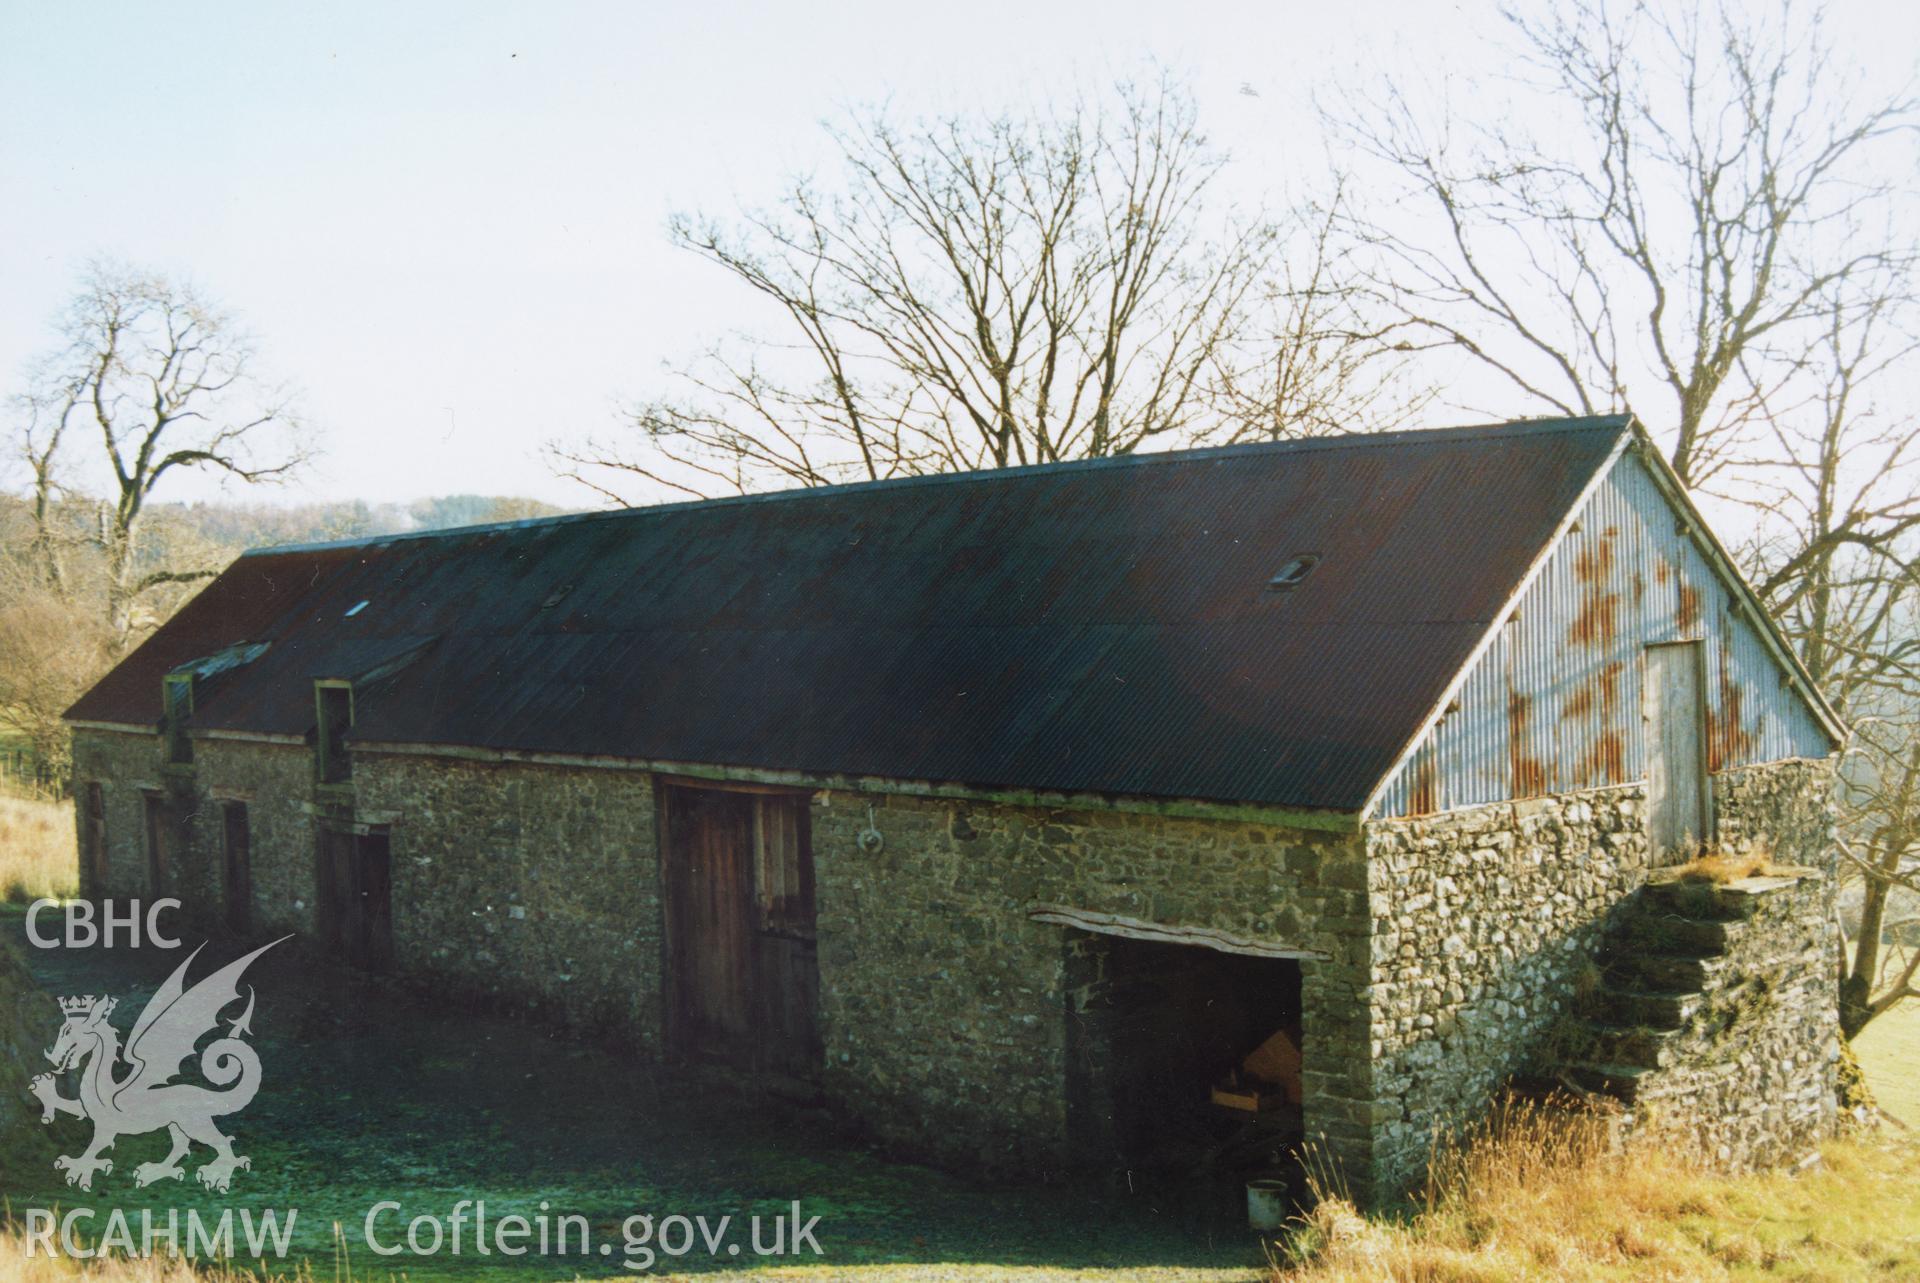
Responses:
[371,1095]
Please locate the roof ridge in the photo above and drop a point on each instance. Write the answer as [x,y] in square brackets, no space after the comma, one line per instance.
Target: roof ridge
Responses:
[1297,445]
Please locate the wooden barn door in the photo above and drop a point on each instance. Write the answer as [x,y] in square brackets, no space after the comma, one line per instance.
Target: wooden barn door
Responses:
[742,976]
[1676,752]
[356,897]
[237,843]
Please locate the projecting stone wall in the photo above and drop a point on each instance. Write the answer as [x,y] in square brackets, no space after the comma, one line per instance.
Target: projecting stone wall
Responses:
[1754,1078]
[1482,920]
[1789,806]
[1751,1077]
[535,885]
[944,1003]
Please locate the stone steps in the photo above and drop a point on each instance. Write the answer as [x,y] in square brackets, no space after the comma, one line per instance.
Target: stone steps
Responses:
[1647,1008]
[1656,968]
[1679,935]
[1622,1082]
[1634,1046]
[1660,972]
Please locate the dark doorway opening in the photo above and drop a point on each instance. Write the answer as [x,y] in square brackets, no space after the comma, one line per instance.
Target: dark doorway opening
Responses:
[743,978]
[1153,1029]
[356,897]
[237,842]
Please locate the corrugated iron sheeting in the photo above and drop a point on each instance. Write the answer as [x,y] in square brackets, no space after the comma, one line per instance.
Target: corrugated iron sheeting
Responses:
[1555,704]
[1100,627]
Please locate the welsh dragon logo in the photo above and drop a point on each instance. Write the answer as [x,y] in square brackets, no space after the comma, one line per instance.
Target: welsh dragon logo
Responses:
[146,1097]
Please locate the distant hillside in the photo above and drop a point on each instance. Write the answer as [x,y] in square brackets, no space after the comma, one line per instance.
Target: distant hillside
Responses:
[239,526]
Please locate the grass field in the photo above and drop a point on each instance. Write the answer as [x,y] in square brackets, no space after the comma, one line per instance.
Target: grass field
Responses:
[37,852]
[1889,1051]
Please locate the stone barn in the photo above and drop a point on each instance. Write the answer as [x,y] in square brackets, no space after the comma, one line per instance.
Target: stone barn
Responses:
[1015,814]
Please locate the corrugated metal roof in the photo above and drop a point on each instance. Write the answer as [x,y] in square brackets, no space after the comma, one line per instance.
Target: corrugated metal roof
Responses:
[1092,627]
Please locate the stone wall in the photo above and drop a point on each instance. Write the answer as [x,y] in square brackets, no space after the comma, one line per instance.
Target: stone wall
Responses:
[1482,920]
[1486,921]
[275,783]
[944,1003]
[535,885]
[1444,947]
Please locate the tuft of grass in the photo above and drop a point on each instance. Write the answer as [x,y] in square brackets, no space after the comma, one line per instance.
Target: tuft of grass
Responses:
[1721,867]
[38,857]
[1538,1194]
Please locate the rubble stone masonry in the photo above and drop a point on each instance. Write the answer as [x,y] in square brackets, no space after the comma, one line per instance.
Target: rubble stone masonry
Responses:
[1438,951]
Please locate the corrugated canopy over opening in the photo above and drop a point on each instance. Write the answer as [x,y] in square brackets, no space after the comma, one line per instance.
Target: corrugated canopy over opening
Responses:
[1101,627]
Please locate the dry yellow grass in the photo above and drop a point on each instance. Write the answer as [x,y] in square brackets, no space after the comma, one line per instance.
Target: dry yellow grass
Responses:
[1535,1198]
[1721,867]
[17,1267]
[37,853]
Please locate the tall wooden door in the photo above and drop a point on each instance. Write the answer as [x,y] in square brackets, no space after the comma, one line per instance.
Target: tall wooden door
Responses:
[1676,752]
[237,841]
[356,897]
[742,973]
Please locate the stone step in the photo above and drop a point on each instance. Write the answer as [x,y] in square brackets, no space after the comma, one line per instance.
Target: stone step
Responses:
[1701,900]
[1650,1008]
[1636,1046]
[1622,1082]
[1673,934]
[1654,972]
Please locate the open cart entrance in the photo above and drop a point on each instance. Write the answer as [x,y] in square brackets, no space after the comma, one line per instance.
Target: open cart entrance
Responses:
[1183,1060]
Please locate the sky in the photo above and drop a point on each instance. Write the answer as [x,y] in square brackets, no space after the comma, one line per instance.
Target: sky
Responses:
[446,221]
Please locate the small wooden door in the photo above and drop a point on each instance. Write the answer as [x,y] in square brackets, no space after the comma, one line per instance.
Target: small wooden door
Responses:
[93,840]
[238,844]
[356,897]
[157,838]
[1676,752]
[742,971]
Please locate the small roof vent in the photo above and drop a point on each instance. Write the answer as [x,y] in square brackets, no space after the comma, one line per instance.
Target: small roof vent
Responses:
[1290,575]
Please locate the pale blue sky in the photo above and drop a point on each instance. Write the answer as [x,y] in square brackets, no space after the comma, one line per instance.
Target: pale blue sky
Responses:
[446,220]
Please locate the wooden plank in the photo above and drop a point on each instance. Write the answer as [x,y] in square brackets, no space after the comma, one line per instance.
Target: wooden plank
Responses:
[1114,924]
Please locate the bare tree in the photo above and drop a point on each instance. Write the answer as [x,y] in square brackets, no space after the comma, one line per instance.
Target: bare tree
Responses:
[1696,213]
[1308,358]
[982,293]
[149,378]
[1704,186]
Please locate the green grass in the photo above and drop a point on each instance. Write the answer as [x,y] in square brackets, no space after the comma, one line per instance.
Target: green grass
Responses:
[1889,1051]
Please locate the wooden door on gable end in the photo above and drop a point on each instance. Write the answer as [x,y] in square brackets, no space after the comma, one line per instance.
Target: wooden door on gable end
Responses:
[1677,807]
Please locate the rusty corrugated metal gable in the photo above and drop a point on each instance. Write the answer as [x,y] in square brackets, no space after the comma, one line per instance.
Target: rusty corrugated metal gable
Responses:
[1095,627]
